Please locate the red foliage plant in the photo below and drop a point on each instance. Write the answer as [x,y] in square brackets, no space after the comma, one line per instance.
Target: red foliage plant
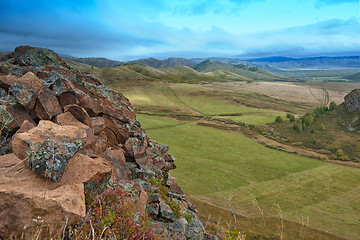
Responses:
[109,217]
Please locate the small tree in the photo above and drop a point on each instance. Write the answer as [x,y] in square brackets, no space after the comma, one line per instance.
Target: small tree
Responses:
[332,106]
[298,126]
[308,120]
[278,119]
[291,117]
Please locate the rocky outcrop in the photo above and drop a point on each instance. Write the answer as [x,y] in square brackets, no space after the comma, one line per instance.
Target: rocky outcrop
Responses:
[352,101]
[67,132]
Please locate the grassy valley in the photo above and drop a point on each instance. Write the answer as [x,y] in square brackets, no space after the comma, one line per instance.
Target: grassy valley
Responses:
[210,120]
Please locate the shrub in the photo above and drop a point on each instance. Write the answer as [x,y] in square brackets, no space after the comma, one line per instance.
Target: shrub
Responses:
[278,119]
[298,126]
[291,117]
[332,106]
[308,120]
[109,217]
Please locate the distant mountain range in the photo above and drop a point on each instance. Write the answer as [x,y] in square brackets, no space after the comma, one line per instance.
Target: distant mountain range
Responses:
[170,62]
[98,62]
[276,63]
[279,63]
[245,70]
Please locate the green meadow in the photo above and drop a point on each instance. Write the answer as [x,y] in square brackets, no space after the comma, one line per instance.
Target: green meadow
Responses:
[197,100]
[272,192]
[324,194]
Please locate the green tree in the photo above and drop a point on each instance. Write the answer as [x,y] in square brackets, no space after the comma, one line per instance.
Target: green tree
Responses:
[332,106]
[291,117]
[278,119]
[308,120]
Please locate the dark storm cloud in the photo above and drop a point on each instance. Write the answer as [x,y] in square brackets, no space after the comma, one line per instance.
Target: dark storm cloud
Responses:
[58,26]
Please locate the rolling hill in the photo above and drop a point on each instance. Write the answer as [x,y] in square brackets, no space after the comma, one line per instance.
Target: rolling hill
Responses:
[354,77]
[131,75]
[170,62]
[98,62]
[244,70]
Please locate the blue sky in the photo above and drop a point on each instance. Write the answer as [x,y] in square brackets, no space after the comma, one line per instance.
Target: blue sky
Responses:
[130,29]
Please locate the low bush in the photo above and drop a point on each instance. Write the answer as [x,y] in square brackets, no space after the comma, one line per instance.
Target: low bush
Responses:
[109,217]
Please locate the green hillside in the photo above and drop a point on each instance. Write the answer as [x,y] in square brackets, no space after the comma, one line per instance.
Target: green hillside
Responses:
[246,71]
[131,75]
[354,77]
[303,188]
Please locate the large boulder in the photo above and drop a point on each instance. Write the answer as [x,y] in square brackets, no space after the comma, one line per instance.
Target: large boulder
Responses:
[48,147]
[28,203]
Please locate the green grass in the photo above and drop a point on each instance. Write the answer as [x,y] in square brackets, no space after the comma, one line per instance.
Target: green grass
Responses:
[328,194]
[162,96]
[259,117]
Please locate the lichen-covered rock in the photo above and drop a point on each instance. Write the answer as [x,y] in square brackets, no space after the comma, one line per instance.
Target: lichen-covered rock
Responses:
[72,129]
[79,113]
[36,57]
[25,197]
[352,101]
[48,147]
[26,89]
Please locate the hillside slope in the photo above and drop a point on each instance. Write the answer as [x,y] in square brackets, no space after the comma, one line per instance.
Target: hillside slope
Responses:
[170,62]
[131,75]
[246,71]
[78,154]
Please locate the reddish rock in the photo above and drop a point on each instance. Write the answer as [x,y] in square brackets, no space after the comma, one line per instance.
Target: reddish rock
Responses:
[68,98]
[48,147]
[90,105]
[92,141]
[100,145]
[83,169]
[19,114]
[7,80]
[26,89]
[26,126]
[67,118]
[111,137]
[117,158]
[79,113]
[121,132]
[26,198]
[36,57]
[98,124]
[47,105]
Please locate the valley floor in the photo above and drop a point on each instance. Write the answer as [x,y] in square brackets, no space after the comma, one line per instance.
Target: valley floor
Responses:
[273,192]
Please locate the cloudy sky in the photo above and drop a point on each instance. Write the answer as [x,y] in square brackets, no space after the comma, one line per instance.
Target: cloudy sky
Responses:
[130,29]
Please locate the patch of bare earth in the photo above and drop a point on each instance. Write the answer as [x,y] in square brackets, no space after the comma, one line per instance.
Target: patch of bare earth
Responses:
[302,93]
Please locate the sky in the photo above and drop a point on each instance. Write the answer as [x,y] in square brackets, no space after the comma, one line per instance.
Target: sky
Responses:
[132,29]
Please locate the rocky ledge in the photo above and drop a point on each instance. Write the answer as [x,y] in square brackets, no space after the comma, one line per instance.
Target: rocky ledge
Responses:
[352,101]
[64,132]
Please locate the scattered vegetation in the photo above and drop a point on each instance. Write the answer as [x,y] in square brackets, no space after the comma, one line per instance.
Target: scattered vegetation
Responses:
[109,217]
[162,190]
[278,119]
[324,192]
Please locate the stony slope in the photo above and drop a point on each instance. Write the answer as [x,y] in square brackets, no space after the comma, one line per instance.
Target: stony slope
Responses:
[64,133]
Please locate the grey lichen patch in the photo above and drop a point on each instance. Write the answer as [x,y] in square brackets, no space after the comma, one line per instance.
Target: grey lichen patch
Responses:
[22,93]
[5,116]
[49,158]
